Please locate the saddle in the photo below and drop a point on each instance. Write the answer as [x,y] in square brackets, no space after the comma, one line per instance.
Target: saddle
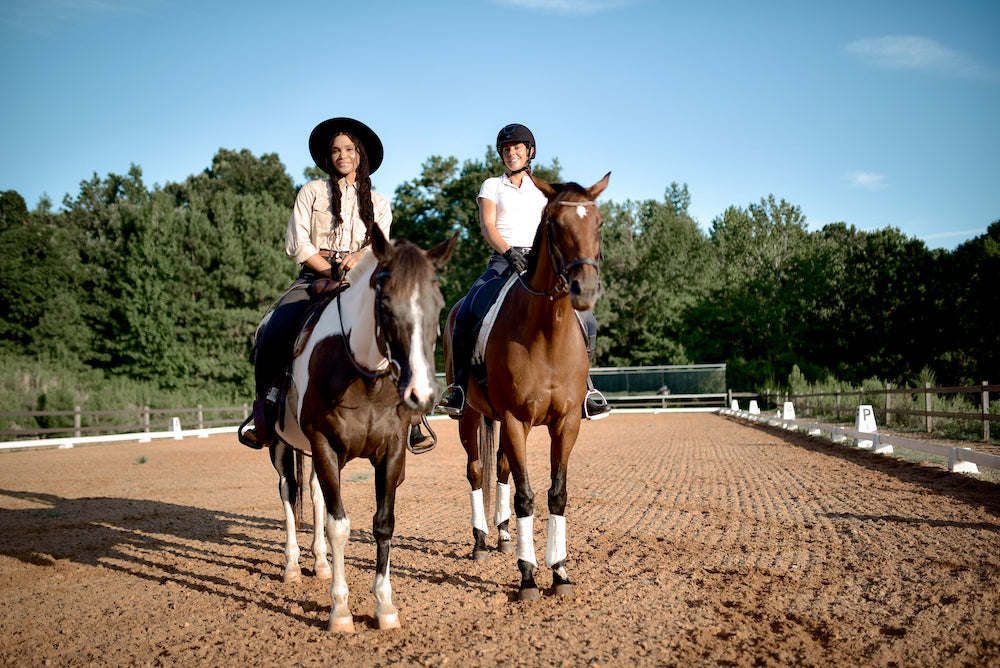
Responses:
[323,291]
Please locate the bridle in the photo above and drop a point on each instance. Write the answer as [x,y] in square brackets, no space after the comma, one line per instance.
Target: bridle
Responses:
[393,369]
[556,259]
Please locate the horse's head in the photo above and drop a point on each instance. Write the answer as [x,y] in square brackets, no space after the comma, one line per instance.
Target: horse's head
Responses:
[408,305]
[571,226]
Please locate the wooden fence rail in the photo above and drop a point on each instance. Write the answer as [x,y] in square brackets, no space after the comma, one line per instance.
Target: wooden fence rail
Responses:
[841,403]
[146,419]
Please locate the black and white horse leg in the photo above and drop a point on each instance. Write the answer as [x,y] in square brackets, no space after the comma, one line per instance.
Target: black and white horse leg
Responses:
[524,508]
[387,474]
[501,515]
[563,437]
[512,440]
[321,565]
[338,526]
[555,543]
[468,431]
[283,460]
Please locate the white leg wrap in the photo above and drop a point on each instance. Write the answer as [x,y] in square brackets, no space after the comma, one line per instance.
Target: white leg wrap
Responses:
[502,513]
[478,510]
[555,543]
[526,539]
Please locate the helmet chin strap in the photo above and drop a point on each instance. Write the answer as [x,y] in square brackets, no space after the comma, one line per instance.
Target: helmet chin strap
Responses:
[526,167]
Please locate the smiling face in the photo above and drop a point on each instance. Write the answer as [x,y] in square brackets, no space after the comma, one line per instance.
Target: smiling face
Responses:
[515,155]
[344,157]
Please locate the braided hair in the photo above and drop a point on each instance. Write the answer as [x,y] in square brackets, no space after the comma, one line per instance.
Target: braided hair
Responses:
[363,181]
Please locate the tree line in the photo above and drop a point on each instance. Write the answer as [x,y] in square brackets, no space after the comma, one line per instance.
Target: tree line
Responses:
[167,284]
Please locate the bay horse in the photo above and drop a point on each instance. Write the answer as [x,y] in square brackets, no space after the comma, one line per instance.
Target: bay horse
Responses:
[365,367]
[536,365]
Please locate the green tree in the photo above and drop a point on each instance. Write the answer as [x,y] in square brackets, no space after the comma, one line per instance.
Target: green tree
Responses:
[40,285]
[656,266]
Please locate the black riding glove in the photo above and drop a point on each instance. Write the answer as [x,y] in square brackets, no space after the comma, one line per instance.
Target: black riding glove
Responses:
[516,259]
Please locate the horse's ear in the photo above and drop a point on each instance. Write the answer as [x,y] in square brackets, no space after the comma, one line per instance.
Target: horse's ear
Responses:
[544,186]
[380,245]
[440,254]
[599,187]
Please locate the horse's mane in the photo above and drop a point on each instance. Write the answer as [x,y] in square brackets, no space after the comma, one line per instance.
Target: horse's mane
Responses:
[409,266]
[564,192]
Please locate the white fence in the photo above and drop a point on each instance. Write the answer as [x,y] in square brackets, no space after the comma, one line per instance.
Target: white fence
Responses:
[962,460]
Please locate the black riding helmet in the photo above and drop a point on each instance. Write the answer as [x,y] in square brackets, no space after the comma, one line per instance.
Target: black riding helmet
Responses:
[515,133]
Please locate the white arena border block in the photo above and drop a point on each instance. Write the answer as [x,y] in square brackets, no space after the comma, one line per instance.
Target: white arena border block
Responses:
[960,459]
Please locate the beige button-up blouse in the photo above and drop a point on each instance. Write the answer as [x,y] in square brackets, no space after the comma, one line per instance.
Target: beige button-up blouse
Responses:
[309,228]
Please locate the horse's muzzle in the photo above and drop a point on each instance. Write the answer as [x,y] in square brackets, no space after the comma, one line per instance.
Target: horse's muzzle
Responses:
[420,395]
[584,289]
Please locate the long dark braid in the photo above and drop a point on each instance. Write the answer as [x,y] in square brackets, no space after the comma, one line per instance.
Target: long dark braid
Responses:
[363,181]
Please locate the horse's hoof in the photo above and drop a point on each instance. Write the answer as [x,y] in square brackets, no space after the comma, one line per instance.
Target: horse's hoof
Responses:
[529,594]
[507,546]
[324,572]
[388,621]
[341,625]
[480,555]
[564,589]
[292,577]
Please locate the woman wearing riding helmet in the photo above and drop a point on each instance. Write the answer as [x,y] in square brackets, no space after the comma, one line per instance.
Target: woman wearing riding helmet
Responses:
[327,233]
[510,209]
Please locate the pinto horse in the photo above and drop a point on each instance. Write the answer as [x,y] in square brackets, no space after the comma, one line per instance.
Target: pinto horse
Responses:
[358,376]
[536,367]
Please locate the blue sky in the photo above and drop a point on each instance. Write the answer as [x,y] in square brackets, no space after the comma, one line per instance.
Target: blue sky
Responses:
[877,114]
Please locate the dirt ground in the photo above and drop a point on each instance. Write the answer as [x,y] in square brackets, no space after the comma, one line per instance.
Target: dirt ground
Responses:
[694,539]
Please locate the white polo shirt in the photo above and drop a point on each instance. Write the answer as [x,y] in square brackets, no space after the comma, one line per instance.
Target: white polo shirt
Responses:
[519,210]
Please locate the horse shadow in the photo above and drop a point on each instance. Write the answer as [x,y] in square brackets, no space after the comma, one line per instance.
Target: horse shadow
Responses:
[155,541]
[203,550]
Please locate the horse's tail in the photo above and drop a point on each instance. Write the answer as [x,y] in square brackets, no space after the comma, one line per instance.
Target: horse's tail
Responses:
[487,458]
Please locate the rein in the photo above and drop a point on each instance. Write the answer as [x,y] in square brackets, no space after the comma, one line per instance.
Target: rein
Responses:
[562,281]
[394,369]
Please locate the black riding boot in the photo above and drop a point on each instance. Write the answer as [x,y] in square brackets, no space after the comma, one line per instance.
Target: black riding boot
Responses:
[453,402]
[595,406]
[418,442]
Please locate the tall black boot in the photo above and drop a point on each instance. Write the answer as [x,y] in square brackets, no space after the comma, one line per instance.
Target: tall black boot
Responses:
[595,406]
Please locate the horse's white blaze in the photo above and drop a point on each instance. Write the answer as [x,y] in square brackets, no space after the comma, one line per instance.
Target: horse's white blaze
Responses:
[502,511]
[581,211]
[420,384]
[478,510]
[555,543]
[526,539]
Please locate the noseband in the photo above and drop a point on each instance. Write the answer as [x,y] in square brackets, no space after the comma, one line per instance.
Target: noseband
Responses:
[555,257]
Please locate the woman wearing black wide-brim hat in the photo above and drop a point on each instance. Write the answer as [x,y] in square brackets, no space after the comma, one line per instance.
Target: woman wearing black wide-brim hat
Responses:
[327,232]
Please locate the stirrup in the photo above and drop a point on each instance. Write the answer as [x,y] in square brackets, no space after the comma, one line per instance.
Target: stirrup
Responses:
[248,437]
[425,442]
[449,406]
[600,410]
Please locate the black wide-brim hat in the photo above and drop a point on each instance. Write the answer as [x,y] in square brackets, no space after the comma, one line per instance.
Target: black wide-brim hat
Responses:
[322,134]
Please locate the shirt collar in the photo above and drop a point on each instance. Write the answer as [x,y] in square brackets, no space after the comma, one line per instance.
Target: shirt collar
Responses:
[346,185]
[505,180]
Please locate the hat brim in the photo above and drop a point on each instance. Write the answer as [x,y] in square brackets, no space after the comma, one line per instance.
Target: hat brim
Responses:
[319,142]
